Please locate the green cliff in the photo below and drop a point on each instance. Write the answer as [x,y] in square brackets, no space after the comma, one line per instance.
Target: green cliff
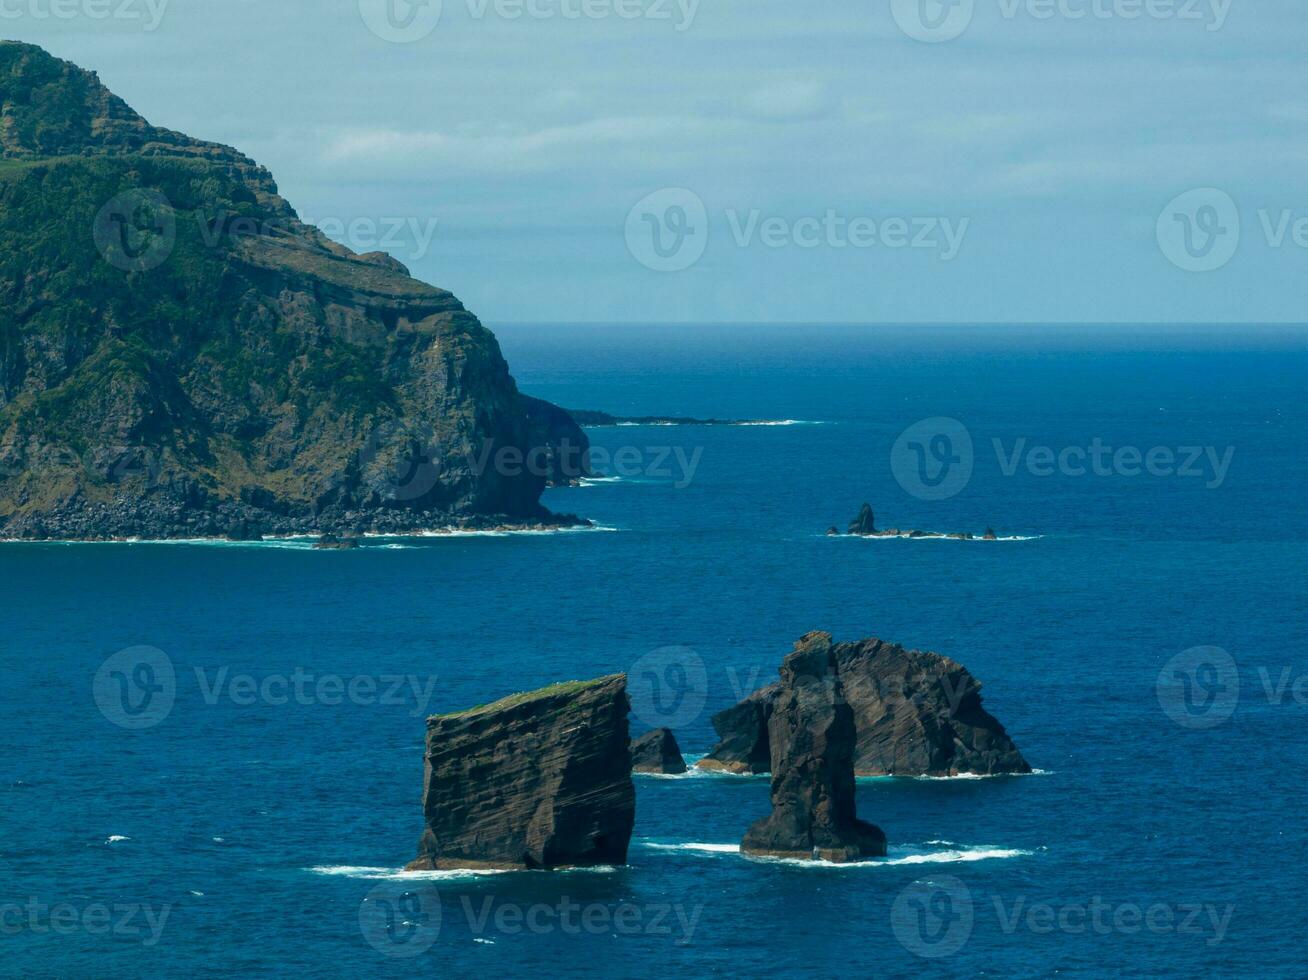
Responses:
[181,356]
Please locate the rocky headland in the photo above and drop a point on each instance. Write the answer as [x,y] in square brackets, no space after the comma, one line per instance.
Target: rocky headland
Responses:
[534,781]
[181,356]
[916,713]
[812,736]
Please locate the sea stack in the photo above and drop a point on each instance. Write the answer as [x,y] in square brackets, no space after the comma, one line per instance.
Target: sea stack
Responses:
[865,522]
[812,735]
[537,780]
[917,713]
[657,752]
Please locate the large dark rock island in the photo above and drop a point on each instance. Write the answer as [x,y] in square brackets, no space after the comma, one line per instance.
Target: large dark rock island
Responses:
[181,356]
[916,713]
[812,736]
[537,780]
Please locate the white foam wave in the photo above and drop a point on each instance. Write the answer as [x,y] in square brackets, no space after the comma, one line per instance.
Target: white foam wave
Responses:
[116,839]
[966,775]
[399,874]
[778,422]
[371,873]
[308,542]
[935,536]
[899,855]
[499,532]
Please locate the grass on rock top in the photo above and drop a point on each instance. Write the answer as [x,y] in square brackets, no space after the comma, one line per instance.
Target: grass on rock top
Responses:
[524,697]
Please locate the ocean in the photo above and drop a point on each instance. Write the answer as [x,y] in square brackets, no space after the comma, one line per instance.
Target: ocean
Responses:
[1140,630]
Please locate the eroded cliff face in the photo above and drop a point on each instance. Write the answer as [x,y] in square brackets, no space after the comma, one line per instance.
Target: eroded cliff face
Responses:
[538,780]
[180,355]
[811,733]
[916,713]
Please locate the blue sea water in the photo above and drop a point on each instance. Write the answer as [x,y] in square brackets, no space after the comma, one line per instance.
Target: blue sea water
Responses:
[243,828]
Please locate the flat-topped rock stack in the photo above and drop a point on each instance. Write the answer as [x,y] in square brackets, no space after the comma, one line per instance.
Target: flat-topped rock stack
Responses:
[534,781]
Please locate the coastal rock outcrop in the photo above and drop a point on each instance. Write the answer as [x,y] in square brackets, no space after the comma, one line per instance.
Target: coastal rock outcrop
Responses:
[864,526]
[743,746]
[180,355]
[812,735]
[536,780]
[657,752]
[916,713]
[864,522]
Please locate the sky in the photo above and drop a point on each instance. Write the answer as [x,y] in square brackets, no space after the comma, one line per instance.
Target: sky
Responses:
[872,161]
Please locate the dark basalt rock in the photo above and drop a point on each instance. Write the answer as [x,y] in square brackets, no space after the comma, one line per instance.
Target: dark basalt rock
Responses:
[865,522]
[864,526]
[565,445]
[916,714]
[742,729]
[812,735]
[536,780]
[332,542]
[657,752]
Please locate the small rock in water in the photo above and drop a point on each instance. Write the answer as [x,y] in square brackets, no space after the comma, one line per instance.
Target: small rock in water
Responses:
[657,752]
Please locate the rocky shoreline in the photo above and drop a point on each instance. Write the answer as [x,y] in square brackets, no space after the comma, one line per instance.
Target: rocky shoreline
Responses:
[237,522]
